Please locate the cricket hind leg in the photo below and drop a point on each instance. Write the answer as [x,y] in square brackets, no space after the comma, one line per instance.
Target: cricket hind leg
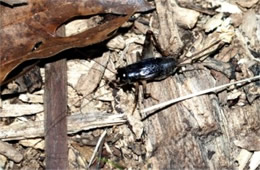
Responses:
[151,44]
[156,44]
[145,93]
[136,97]
[148,46]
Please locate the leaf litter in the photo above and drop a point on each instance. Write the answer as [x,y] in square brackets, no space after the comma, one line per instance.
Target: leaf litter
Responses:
[126,145]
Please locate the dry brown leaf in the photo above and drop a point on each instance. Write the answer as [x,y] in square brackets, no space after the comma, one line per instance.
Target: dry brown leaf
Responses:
[29,31]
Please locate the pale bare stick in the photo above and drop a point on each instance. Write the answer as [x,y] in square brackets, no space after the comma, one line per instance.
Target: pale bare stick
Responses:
[214,89]
[101,138]
[200,52]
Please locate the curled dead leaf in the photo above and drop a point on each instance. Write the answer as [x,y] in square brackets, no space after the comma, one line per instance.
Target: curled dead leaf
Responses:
[29,32]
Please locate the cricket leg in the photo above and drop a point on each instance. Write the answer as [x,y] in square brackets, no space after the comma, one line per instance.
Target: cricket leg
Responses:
[136,97]
[148,47]
[146,94]
[157,44]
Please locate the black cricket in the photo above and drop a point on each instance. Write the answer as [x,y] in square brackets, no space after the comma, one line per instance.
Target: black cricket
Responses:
[149,68]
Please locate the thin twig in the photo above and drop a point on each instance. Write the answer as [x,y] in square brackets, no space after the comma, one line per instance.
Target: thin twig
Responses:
[214,89]
[201,51]
[101,138]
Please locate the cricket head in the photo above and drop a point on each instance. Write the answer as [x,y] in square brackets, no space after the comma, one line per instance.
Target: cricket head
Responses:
[122,75]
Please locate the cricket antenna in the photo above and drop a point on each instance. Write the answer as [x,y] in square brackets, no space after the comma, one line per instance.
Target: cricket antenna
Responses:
[199,52]
[105,67]
[81,53]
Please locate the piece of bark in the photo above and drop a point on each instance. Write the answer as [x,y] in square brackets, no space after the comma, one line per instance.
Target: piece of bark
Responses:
[174,131]
[76,123]
[196,133]
[169,42]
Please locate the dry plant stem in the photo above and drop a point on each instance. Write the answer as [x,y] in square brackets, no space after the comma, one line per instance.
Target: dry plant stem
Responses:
[99,144]
[55,103]
[214,89]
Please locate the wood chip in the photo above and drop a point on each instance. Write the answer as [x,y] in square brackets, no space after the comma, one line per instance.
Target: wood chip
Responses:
[10,152]
[17,110]
[76,123]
